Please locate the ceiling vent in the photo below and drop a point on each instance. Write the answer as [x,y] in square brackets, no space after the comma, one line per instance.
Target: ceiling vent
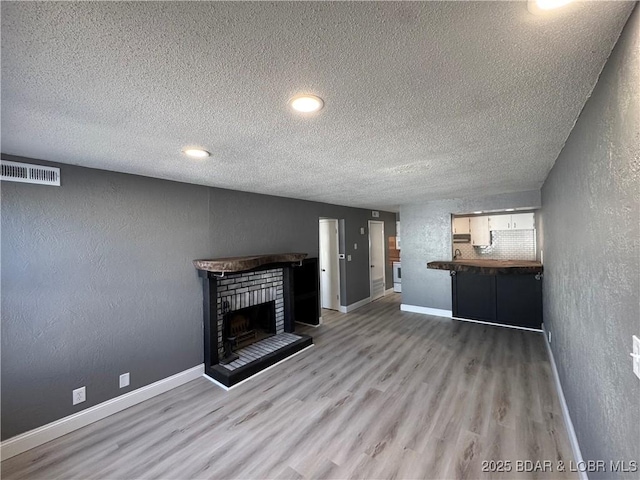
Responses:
[27,173]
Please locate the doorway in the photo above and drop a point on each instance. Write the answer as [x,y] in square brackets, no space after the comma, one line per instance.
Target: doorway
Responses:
[329,264]
[376,259]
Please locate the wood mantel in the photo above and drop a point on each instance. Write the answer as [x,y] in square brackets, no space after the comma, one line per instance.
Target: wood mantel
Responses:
[242,264]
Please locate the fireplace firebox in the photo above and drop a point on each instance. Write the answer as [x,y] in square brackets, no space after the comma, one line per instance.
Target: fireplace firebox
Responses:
[245,326]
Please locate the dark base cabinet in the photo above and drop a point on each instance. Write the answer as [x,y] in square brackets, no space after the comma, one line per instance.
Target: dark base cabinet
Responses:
[519,300]
[506,299]
[474,296]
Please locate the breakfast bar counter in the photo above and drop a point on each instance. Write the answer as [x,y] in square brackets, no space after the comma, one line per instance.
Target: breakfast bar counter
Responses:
[507,292]
[489,267]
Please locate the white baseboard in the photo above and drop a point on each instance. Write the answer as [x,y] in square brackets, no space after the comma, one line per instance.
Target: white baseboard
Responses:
[226,389]
[573,439]
[311,325]
[353,306]
[515,327]
[426,310]
[33,438]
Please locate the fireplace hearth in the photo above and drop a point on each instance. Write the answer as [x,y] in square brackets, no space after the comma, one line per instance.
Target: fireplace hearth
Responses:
[249,320]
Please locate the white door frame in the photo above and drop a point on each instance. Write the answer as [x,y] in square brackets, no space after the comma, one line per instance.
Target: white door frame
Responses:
[384,272]
[335,262]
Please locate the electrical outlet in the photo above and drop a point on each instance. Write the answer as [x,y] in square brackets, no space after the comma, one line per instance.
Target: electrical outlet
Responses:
[355,246]
[79,395]
[348,258]
[636,356]
[549,333]
[124,380]
[361,230]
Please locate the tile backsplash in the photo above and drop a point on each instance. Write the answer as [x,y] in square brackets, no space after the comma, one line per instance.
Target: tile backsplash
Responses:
[505,245]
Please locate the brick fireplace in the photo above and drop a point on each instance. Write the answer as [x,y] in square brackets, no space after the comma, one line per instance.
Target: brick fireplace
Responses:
[241,290]
[232,287]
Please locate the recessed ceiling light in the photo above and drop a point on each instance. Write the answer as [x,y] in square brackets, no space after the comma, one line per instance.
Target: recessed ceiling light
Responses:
[196,152]
[541,6]
[306,103]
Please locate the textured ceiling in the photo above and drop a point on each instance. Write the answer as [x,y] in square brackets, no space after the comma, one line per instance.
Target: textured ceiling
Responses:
[422,100]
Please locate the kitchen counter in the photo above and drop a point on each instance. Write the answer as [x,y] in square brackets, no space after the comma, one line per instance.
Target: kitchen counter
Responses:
[489,267]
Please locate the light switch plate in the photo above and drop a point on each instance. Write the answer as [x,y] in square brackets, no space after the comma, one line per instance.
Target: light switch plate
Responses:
[636,358]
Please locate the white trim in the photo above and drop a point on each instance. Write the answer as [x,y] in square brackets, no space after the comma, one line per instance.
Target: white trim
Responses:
[388,291]
[33,438]
[426,310]
[449,314]
[335,266]
[226,389]
[573,439]
[384,251]
[498,324]
[353,306]
[309,324]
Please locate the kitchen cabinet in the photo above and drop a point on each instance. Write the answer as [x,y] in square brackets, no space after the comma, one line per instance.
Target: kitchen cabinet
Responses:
[519,300]
[518,221]
[509,299]
[474,296]
[460,225]
[523,221]
[500,222]
[480,233]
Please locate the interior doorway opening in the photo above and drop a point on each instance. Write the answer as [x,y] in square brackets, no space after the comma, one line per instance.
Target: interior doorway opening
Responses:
[329,264]
[376,260]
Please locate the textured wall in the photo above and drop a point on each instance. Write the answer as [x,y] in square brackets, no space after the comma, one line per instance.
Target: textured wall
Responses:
[592,260]
[247,223]
[97,279]
[426,236]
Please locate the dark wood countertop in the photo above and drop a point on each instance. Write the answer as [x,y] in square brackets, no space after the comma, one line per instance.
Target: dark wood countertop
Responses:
[241,264]
[489,267]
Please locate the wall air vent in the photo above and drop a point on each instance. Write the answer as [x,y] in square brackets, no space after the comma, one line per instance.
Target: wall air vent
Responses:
[27,173]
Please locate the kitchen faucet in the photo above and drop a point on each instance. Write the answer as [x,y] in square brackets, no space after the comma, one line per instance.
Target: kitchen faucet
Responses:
[457,253]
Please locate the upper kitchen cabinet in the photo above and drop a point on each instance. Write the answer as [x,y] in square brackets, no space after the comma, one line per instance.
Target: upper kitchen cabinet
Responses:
[523,221]
[518,221]
[480,233]
[500,222]
[460,225]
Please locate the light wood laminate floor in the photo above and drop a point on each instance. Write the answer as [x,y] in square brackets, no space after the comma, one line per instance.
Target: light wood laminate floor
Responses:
[382,394]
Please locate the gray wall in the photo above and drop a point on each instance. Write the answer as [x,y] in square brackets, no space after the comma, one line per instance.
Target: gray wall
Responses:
[426,237]
[247,223]
[592,260]
[97,279]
